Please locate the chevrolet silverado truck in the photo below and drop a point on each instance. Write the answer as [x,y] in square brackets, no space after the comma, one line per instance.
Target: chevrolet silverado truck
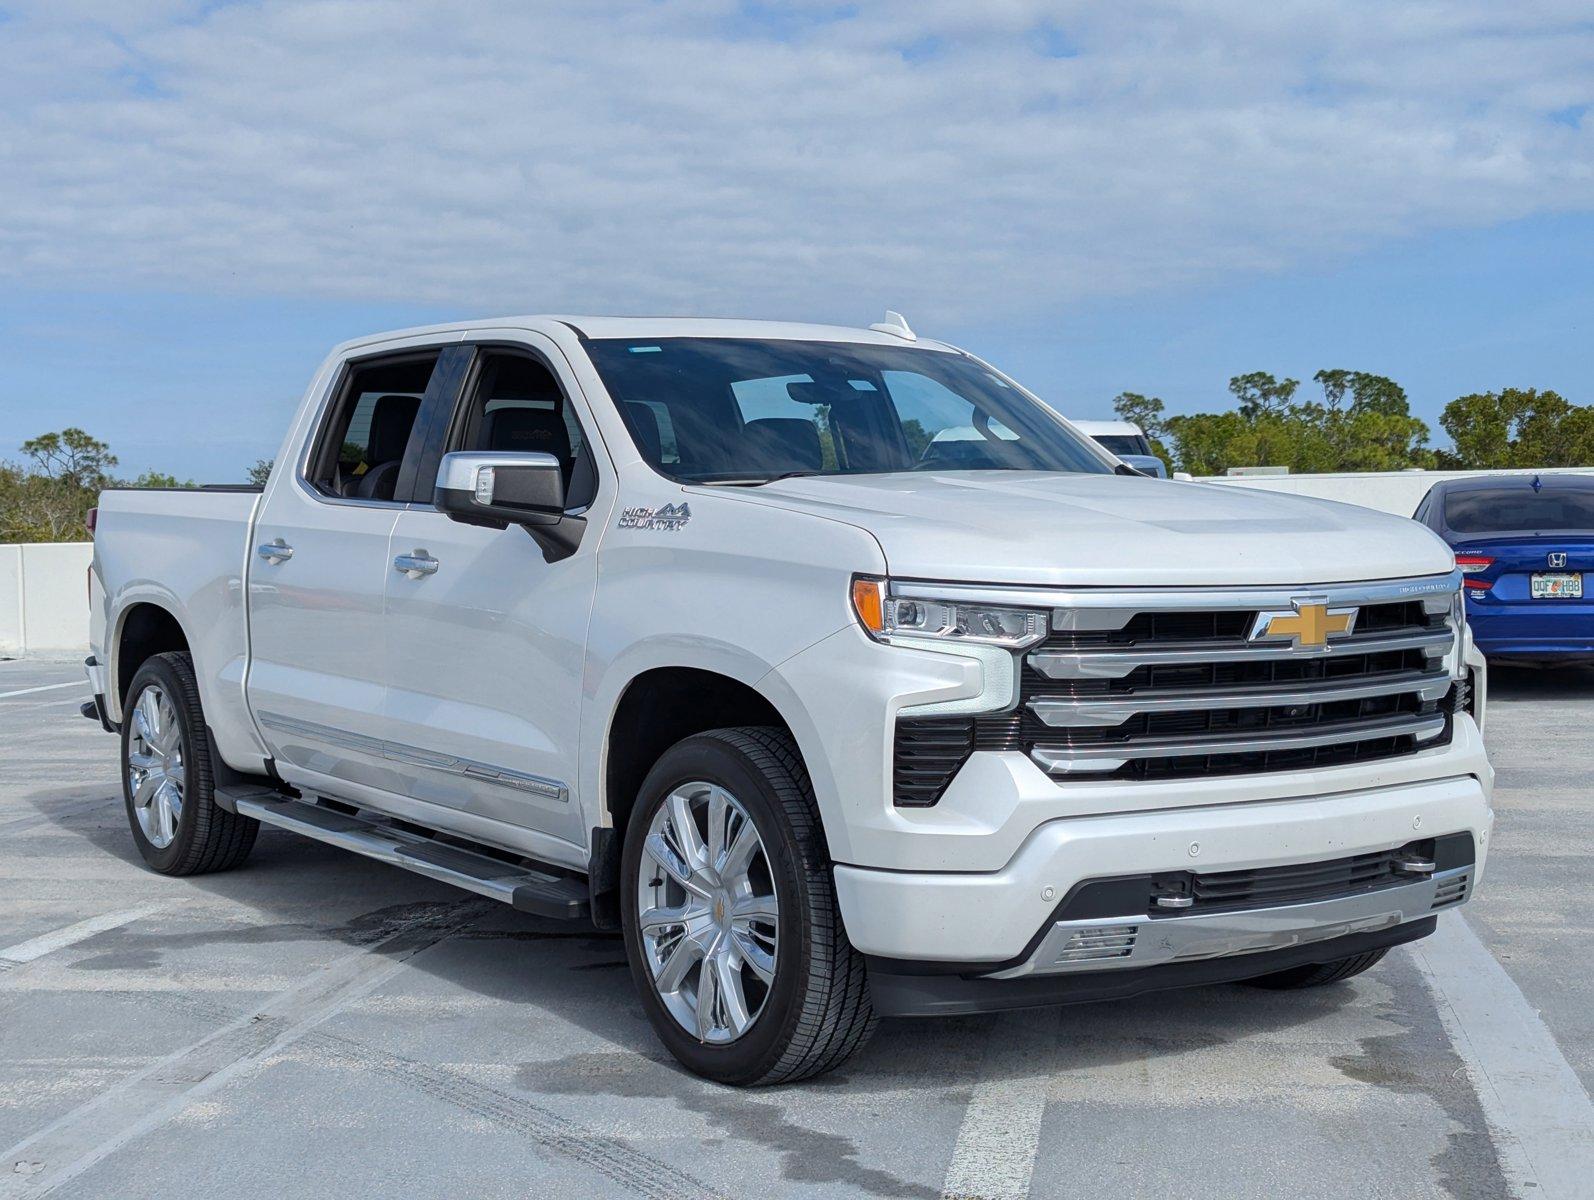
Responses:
[830,666]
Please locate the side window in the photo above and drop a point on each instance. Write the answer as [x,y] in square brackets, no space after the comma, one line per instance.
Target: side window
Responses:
[516,404]
[362,444]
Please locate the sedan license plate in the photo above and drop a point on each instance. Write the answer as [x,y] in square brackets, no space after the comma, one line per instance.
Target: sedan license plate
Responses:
[1557,585]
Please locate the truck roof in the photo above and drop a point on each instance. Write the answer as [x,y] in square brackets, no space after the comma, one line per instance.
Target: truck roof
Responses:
[659,327]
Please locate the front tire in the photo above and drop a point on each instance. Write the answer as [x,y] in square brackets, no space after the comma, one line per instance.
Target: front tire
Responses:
[729,910]
[168,784]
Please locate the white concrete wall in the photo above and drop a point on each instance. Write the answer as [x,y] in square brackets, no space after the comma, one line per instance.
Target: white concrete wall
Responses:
[44,599]
[1397,492]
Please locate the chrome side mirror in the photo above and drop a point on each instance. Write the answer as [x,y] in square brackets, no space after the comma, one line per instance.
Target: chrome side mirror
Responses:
[507,487]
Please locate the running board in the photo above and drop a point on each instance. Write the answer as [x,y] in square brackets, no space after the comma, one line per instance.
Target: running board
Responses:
[543,894]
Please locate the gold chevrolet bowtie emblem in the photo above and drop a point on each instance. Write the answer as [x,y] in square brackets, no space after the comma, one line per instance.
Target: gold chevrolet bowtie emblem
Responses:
[1309,626]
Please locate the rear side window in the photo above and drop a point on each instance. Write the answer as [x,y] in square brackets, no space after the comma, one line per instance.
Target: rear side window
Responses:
[1520,510]
[367,432]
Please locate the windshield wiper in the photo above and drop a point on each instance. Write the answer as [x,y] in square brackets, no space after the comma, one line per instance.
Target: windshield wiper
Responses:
[761,480]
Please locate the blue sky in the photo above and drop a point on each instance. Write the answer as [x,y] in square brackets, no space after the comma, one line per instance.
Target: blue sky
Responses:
[200,198]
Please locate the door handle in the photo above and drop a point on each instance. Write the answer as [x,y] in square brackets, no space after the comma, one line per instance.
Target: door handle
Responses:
[415,565]
[275,552]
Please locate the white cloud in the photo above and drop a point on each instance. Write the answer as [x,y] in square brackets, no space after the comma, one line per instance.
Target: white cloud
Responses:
[783,161]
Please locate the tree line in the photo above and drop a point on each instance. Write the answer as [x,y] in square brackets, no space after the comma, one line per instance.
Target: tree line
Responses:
[1363,422]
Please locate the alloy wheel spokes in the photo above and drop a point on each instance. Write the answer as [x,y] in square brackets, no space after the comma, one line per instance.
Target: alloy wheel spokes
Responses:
[156,773]
[708,916]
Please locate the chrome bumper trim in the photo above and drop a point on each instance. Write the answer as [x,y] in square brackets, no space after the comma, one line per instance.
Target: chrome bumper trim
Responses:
[1128,942]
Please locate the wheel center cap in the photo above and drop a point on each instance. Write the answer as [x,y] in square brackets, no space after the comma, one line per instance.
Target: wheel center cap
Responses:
[721,908]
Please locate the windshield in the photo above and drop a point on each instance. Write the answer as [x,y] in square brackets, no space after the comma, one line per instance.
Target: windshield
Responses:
[722,410]
[1124,443]
[1520,510]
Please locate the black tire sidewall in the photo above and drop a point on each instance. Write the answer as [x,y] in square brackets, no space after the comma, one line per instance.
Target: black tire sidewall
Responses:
[159,671]
[709,759]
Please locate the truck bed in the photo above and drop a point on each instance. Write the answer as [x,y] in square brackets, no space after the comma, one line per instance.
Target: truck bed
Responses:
[187,550]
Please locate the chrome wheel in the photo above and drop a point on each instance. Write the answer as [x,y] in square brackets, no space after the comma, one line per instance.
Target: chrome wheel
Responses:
[707,912]
[155,773]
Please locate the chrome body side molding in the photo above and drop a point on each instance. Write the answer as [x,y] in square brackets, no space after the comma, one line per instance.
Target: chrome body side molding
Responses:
[465,768]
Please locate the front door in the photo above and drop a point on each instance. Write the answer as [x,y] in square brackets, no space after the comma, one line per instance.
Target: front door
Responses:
[486,638]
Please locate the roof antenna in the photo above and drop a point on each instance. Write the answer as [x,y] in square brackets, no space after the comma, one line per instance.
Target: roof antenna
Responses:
[895,325]
[1538,483]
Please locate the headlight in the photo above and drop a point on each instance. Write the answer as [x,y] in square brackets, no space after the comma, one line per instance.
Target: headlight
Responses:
[887,618]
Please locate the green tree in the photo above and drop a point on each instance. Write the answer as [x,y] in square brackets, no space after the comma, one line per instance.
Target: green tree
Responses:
[1362,423]
[1517,427]
[1146,412]
[159,479]
[50,500]
[260,472]
[1259,394]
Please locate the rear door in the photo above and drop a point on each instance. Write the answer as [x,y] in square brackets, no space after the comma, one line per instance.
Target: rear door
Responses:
[318,570]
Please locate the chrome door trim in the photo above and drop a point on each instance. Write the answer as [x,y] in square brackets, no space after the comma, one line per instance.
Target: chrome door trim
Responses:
[415,756]
[415,566]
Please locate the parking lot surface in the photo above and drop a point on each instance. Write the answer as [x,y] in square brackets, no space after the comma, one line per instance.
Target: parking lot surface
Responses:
[316,1024]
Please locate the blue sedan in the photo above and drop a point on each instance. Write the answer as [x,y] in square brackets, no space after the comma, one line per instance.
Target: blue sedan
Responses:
[1525,545]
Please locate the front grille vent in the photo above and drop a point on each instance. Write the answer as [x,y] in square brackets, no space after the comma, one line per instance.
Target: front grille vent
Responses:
[1194,893]
[1452,891]
[1091,944]
[1170,695]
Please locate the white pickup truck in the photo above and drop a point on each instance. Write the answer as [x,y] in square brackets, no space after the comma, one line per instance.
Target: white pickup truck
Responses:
[829,665]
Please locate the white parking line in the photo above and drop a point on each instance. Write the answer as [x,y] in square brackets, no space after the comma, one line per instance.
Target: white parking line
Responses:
[49,687]
[1538,1111]
[25,952]
[994,1156]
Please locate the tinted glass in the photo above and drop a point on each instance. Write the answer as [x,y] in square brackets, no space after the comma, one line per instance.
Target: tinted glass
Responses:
[722,409]
[517,405]
[365,437]
[1124,443]
[1520,510]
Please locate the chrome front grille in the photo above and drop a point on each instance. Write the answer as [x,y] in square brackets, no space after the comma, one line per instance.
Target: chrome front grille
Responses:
[1171,685]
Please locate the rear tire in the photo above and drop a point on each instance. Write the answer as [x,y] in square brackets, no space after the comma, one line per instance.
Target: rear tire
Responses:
[814,1011]
[1319,974]
[168,781]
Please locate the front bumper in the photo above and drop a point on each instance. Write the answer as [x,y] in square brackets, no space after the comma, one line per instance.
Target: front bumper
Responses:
[896,994]
[986,922]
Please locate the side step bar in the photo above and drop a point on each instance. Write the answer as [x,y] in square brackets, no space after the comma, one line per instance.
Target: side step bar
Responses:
[543,894]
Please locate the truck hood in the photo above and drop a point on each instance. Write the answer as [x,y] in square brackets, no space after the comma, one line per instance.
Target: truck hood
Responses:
[1106,530]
